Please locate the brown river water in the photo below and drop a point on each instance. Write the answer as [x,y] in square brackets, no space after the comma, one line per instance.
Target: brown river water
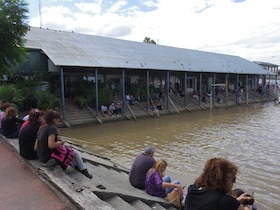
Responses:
[247,135]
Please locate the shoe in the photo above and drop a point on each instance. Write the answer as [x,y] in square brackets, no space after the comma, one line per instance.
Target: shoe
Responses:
[86,173]
[100,186]
[51,163]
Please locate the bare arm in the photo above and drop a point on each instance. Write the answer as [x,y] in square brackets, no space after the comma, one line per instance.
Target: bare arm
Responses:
[242,198]
[171,185]
[36,145]
[52,143]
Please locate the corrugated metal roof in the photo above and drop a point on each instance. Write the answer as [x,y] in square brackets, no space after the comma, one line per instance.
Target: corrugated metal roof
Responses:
[80,50]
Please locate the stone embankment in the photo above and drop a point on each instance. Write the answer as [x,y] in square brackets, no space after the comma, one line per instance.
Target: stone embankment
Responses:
[108,189]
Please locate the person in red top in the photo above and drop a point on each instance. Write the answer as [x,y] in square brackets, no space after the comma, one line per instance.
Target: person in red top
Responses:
[28,134]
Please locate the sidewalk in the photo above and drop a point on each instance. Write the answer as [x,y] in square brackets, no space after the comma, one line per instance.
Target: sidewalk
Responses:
[21,188]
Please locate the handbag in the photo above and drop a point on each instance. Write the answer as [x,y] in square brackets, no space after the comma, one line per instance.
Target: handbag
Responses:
[63,155]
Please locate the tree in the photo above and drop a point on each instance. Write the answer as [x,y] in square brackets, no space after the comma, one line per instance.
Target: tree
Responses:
[149,40]
[13,27]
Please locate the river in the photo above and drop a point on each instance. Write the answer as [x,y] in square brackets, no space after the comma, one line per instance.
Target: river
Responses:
[246,135]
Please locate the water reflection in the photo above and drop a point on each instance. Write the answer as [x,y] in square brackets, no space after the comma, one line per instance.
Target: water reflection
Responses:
[246,135]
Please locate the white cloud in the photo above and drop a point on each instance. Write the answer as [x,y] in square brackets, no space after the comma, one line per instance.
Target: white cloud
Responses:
[89,7]
[117,6]
[248,29]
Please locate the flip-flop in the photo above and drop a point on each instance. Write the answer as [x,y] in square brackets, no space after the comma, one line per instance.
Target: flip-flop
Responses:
[100,186]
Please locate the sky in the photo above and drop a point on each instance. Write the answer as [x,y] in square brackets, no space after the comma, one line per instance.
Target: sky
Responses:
[246,28]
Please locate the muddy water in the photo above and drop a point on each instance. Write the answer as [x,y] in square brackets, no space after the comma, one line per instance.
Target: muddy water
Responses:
[246,135]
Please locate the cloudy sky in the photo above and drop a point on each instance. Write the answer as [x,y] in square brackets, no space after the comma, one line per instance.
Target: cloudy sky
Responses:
[246,28]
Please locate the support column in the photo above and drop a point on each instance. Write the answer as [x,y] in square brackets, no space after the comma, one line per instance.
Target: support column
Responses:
[226,89]
[214,93]
[96,93]
[167,89]
[123,90]
[62,92]
[185,89]
[247,89]
[262,85]
[200,88]
[255,85]
[148,89]
[269,86]
[237,91]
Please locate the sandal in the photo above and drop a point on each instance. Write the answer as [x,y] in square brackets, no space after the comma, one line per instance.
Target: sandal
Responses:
[100,186]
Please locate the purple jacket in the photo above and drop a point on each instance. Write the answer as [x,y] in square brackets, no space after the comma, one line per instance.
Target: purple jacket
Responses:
[154,184]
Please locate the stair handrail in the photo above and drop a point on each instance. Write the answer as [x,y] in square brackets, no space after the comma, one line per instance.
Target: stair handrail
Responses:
[173,104]
[153,104]
[130,110]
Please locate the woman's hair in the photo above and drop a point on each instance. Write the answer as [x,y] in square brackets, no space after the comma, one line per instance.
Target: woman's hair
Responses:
[11,112]
[5,106]
[50,115]
[159,165]
[34,115]
[214,175]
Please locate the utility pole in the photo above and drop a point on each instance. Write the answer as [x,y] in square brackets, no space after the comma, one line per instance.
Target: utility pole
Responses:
[40,15]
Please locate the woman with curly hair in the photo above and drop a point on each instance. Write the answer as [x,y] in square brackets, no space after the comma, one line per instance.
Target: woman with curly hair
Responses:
[212,189]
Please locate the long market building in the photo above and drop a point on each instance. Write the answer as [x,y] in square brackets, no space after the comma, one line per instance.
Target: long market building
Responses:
[71,56]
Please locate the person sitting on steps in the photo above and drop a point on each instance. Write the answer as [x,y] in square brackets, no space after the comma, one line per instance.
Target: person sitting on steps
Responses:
[142,163]
[51,149]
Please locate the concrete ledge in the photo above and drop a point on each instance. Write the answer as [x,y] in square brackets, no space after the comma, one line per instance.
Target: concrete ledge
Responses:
[67,188]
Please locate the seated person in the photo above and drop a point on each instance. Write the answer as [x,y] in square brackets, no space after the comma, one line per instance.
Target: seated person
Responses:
[248,205]
[28,134]
[104,110]
[195,96]
[158,105]
[112,109]
[128,99]
[51,149]
[3,114]
[118,108]
[159,185]
[142,163]
[212,189]
[11,123]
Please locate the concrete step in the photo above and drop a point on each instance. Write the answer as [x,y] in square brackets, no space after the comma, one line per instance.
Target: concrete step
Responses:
[157,206]
[140,205]
[118,203]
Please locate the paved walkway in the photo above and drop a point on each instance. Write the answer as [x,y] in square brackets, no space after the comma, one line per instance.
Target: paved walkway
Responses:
[21,188]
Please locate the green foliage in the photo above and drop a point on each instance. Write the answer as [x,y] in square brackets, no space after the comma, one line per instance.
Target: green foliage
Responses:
[80,101]
[84,93]
[139,89]
[105,93]
[25,96]
[7,93]
[13,27]
[46,100]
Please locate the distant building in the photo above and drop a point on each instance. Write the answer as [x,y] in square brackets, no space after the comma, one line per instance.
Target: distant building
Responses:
[273,68]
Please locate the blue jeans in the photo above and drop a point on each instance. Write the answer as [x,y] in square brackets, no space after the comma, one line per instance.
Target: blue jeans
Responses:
[78,161]
[167,178]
